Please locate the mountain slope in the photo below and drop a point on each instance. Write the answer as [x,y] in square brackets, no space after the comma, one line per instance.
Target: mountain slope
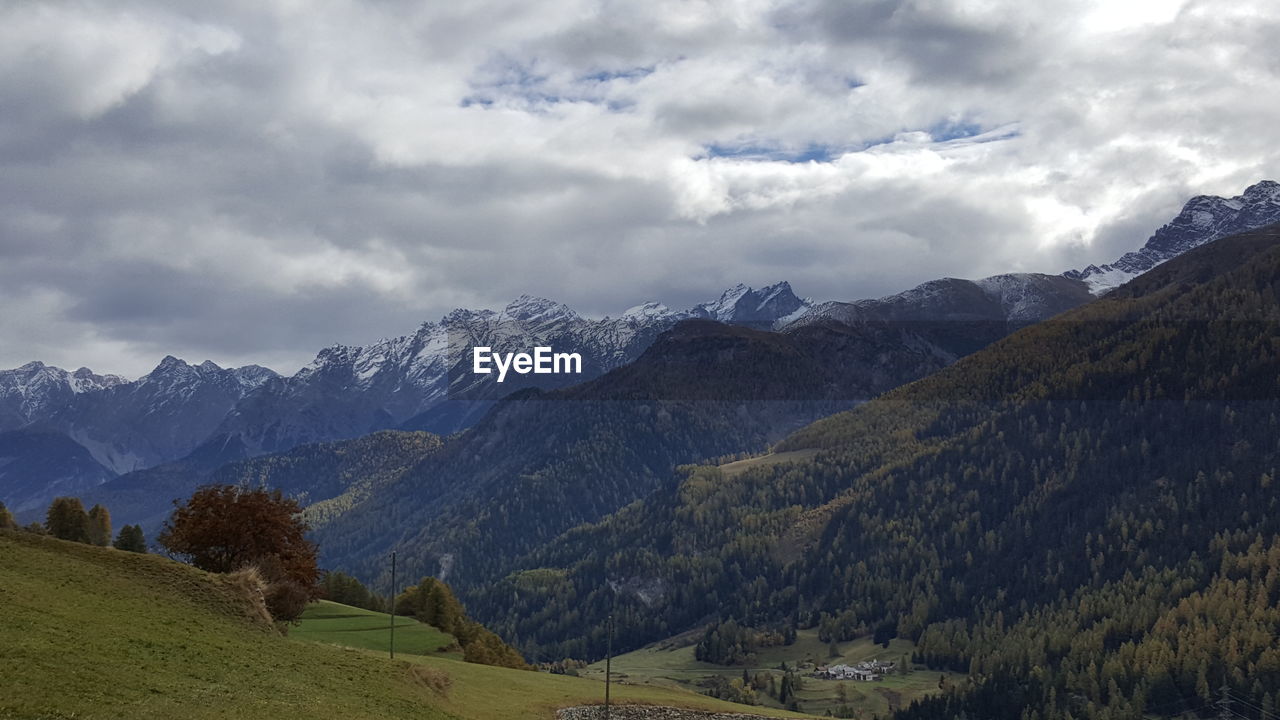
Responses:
[1002,302]
[1122,455]
[98,633]
[37,464]
[328,477]
[163,415]
[541,462]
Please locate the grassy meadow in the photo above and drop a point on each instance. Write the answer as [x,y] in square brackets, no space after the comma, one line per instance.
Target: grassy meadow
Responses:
[337,624]
[89,632]
[671,664]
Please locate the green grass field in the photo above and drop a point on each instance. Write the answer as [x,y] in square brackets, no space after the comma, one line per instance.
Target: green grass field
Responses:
[336,624]
[89,632]
[671,664]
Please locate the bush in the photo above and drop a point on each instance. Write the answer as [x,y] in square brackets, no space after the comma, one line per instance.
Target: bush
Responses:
[224,528]
[284,597]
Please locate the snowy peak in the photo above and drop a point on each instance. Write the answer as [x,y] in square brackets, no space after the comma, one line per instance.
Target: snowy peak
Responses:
[251,377]
[528,309]
[85,380]
[32,392]
[1203,219]
[173,372]
[746,306]
[648,311]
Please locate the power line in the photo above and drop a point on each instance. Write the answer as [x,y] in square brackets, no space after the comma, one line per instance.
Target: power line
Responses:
[1247,703]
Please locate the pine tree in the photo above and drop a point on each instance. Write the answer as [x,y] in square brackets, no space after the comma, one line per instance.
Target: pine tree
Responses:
[6,519]
[67,520]
[99,526]
[130,539]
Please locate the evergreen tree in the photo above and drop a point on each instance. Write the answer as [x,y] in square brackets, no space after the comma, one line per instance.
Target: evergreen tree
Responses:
[67,520]
[99,526]
[6,519]
[130,539]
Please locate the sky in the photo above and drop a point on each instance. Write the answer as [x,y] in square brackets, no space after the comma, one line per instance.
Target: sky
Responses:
[250,181]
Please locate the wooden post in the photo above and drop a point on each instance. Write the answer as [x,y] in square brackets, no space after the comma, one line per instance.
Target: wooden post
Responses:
[608,667]
[393,604]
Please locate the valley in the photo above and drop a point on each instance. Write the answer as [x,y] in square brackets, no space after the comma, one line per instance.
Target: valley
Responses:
[672,663]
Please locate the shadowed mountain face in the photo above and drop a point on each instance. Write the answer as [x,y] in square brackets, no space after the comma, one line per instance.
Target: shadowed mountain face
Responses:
[164,415]
[36,464]
[541,462]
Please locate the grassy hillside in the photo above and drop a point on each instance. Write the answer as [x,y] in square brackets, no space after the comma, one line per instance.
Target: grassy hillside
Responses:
[92,632]
[337,624]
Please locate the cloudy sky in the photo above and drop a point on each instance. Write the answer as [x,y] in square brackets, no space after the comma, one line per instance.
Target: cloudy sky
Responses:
[248,181]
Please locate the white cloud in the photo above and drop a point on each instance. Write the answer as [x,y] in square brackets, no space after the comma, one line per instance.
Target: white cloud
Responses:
[254,180]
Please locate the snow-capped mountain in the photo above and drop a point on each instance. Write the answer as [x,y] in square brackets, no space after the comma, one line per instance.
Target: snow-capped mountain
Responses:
[763,308]
[1203,219]
[163,415]
[424,380]
[33,391]
[1020,299]
[1005,302]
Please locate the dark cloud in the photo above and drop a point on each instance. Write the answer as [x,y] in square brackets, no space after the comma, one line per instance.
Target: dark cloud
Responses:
[251,181]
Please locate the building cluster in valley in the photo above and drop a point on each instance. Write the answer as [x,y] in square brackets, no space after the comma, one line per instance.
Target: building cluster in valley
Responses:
[865,671]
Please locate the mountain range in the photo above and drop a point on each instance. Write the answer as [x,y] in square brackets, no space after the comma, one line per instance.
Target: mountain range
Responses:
[205,415]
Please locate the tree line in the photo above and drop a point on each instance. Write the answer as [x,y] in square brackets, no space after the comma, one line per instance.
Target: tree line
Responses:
[66,519]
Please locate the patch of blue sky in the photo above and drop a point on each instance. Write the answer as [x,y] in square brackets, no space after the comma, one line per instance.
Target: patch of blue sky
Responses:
[810,153]
[608,76]
[516,85]
[952,130]
[813,152]
[970,132]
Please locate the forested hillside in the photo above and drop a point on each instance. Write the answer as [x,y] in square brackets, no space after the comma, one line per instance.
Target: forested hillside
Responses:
[542,462]
[327,478]
[1085,515]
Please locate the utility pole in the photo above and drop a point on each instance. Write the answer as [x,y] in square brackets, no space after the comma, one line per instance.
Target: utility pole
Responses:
[1224,705]
[393,604]
[608,666]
